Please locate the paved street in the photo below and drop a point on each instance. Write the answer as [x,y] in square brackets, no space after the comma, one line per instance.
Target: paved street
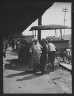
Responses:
[18,78]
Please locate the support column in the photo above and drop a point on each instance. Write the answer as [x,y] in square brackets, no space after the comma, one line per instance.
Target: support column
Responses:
[55,33]
[39,31]
[35,33]
[61,33]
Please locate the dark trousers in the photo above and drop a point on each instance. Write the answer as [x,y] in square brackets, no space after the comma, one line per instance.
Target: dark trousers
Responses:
[44,62]
[51,58]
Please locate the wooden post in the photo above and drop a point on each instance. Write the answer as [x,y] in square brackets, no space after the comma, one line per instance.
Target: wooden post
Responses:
[39,31]
[64,10]
[55,33]
[61,33]
[35,33]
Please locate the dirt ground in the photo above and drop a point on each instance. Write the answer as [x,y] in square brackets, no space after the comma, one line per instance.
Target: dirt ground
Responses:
[18,78]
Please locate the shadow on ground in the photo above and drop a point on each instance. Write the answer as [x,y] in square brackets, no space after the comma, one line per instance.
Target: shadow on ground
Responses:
[15,64]
[20,74]
[49,68]
[30,72]
[26,71]
[29,77]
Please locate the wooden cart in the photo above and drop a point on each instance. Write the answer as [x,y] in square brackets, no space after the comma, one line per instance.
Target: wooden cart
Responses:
[61,45]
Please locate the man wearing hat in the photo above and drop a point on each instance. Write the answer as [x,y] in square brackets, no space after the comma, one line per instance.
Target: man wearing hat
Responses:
[51,53]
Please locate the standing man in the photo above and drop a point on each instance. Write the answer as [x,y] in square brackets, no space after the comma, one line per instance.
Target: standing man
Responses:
[44,57]
[51,53]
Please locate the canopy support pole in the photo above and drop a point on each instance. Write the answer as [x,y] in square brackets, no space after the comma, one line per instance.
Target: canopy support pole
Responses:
[61,33]
[39,31]
[35,33]
[55,33]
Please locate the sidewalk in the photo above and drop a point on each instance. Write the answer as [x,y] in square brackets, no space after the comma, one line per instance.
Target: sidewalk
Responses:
[18,78]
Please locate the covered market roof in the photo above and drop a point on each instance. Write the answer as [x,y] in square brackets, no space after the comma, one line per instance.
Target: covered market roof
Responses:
[49,27]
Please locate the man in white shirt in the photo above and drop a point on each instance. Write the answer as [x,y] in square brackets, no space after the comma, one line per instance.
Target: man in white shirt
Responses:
[51,53]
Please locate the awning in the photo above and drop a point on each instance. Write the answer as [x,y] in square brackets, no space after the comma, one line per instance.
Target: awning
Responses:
[49,27]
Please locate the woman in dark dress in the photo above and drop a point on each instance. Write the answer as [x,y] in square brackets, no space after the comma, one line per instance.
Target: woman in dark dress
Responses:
[44,58]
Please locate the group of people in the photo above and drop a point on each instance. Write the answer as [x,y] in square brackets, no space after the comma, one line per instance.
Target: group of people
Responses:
[41,55]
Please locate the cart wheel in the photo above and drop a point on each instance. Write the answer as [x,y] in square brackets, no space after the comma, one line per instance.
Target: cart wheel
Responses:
[66,60]
[68,57]
[59,58]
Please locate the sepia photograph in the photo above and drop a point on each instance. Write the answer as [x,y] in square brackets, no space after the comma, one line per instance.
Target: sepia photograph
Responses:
[37,47]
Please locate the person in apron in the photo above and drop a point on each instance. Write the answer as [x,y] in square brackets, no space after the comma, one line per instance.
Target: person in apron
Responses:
[35,56]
